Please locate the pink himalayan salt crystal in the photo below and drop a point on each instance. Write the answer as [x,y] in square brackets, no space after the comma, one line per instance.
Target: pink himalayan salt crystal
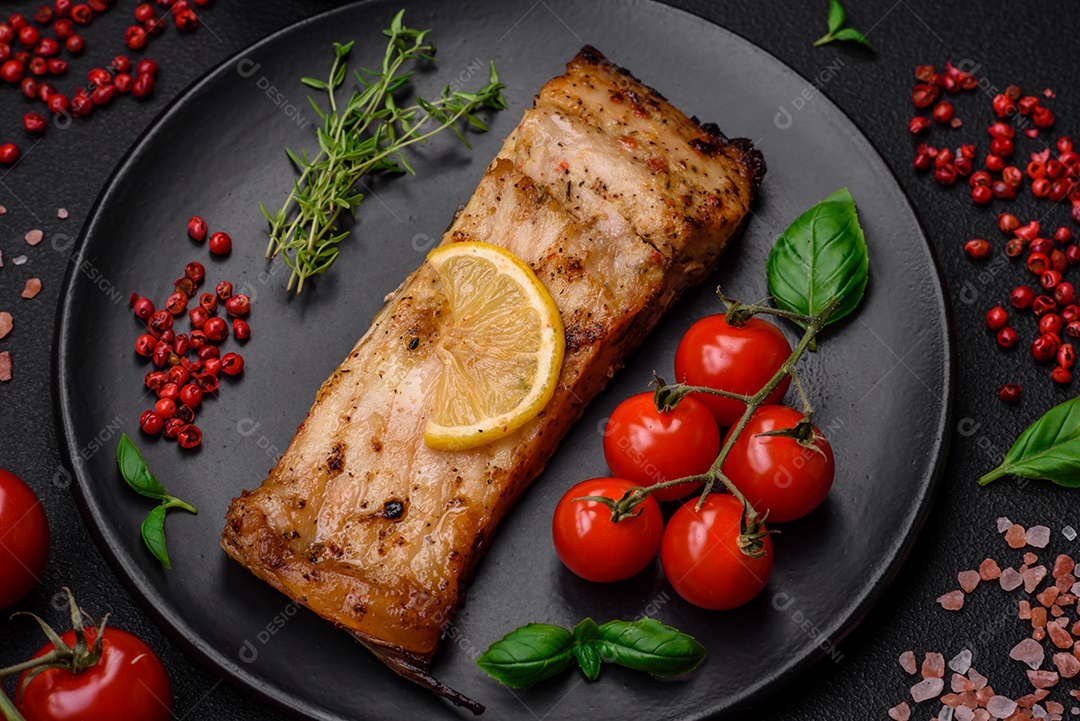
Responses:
[989,570]
[32,288]
[1059,636]
[1054,707]
[19,259]
[952,601]
[977,678]
[1000,707]
[1033,577]
[62,213]
[1025,611]
[1067,664]
[961,662]
[927,689]
[933,666]
[963,713]
[982,714]
[900,712]
[1043,679]
[907,662]
[1028,651]
[1016,537]
[33,237]
[1038,536]
[960,683]
[6,323]
[968,580]
[1030,558]
[1003,524]
[3,210]
[5,366]
[1010,579]
[1062,565]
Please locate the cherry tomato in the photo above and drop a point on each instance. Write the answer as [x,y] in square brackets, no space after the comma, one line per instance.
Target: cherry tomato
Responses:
[739,360]
[702,559]
[779,474]
[594,547]
[24,539]
[646,446]
[129,682]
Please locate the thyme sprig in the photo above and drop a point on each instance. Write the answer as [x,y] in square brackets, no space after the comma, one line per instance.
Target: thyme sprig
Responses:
[367,133]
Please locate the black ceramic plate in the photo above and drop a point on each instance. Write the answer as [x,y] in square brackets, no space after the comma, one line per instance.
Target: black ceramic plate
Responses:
[218,151]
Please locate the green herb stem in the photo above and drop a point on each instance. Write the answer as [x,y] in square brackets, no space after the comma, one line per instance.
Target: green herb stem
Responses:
[367,134]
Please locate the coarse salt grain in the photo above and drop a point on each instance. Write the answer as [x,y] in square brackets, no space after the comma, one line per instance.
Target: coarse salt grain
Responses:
[989,570]
[1069,532]
[33,237]
[961,662]
[19,259]
[977,678]
[952,601]
[6,323]
[1032,577]
[907,662]
[1063,565]
[5,366]
[1016,537]
[1067,664]
[1,260]
[933,666]
[900,712]
[927,689]
[3,210]
[61,213]
[1000,706]
[1003,524]
[1028,651]
[1043,679]
[946,714]
[963,713]
[968,580]
[1010,579]
[32,288]
[959,684]
[1038,536]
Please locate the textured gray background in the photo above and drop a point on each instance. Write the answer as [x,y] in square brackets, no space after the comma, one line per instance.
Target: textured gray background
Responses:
[69,169]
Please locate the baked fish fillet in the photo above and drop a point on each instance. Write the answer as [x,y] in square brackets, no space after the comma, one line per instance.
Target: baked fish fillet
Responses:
[619,202]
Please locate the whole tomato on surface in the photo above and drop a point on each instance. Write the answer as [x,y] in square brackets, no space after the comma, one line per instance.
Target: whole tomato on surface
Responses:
[594,547]
[703,557]
[128,682]
[646,446]
[779,474]
[741,360]
[24,539]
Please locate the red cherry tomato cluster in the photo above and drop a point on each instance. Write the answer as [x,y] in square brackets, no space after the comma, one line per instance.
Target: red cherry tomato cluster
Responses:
[188,365]
[701,550]
[30,58]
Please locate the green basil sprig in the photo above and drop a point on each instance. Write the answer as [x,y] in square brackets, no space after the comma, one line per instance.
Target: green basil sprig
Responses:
[137,475]
[837,31]
[822,255]
[538,651]
[1049,449]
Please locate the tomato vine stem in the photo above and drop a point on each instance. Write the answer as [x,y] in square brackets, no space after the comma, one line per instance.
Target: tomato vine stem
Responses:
[668,396]
[7,708]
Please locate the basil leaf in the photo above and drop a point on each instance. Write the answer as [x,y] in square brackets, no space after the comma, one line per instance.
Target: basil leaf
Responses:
[650,646]
[153,534]
[135,471]
[836,16]
[1049,449]
[822,255]
[528,655]
[588,659]
[586,631]
[853,35]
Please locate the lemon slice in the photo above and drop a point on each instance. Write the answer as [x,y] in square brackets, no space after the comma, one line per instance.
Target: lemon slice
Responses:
[501,346]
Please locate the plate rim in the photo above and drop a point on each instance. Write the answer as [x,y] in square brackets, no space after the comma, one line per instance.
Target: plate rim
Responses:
[290,704]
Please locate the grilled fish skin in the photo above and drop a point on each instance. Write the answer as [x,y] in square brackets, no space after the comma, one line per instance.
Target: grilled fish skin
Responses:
[619,203]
